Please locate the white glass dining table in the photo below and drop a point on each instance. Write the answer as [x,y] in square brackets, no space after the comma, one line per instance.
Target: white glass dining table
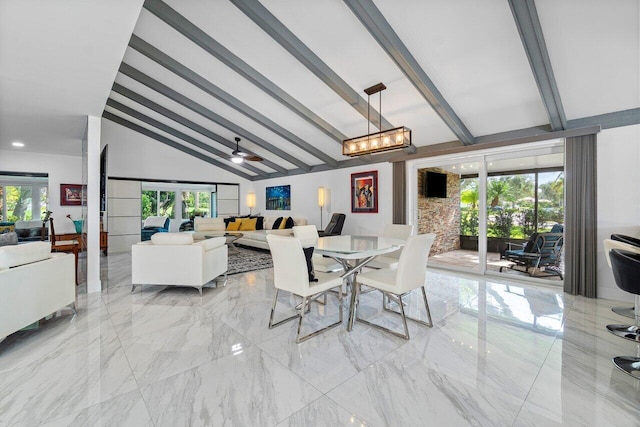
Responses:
[353,253]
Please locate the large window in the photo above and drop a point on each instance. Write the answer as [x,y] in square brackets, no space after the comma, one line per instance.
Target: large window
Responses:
[22,198]
[180,202]
[196,203]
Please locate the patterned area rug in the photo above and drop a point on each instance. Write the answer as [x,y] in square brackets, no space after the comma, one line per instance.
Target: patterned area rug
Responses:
[248,260]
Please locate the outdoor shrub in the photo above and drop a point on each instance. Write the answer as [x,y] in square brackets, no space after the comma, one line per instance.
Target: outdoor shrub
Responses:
[469,222]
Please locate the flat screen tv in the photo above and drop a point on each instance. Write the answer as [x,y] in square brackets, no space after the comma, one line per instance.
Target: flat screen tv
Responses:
[435,185]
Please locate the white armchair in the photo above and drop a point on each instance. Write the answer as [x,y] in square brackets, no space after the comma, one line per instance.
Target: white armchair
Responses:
[173,259]
[33,284]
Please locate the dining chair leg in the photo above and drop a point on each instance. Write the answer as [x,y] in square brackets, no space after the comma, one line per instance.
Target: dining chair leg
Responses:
[404,318]
[273,309]
[386,298]
[302,311]
[307,301]
[428,323]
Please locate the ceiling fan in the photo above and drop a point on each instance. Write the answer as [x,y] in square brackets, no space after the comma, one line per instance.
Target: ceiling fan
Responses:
[240,156]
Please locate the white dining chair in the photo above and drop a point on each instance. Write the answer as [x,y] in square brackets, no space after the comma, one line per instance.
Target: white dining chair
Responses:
[308,235]
[290,274]
[398,283]
[394,231]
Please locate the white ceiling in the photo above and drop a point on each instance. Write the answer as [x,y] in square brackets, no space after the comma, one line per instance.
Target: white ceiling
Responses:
[59,59]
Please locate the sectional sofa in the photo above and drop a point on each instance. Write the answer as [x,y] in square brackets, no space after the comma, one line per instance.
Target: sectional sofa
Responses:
[254,238]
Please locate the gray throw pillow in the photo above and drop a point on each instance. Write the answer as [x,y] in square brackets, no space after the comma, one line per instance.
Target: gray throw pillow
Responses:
[10,238]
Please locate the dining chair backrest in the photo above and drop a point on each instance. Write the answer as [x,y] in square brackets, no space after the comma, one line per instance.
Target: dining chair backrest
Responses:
[289,264]
[52,231]
[412,267]
[616,244]
[397,231]
[307,234]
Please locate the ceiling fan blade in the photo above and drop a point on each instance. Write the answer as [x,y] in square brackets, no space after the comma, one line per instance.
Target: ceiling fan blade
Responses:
[245,156]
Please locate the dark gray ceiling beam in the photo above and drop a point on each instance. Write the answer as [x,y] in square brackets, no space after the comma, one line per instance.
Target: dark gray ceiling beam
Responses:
[151,83]
[373,20]
[177,134]
[526,17]
[504,139]
[128,93]
[137,128]
[349,163]
[197,80]
[292,44]
[608,120]
[224,55]
[585,124]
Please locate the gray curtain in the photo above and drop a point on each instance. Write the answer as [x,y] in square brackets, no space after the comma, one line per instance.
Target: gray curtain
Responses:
[580,216]
[399,193]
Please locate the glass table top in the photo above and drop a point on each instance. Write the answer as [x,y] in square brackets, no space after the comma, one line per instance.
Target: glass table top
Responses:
[360,246]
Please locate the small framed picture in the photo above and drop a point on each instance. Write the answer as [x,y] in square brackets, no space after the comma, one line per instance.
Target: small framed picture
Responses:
[72,195]
[364,192]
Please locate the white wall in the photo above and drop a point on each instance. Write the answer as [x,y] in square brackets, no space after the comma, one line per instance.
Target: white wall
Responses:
[61,170]
[304,198]
[133,155]
[618,197]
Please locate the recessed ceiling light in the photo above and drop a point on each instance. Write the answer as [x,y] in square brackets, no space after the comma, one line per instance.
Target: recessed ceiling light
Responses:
[17,144]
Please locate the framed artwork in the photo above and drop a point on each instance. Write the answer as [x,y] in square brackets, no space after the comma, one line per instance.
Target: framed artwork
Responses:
[364,192]
[279,198]
[72,195]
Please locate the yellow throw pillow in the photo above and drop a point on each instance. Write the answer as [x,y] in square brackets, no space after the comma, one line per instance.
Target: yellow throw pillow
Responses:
[234,225]
[248,224]
[283,224]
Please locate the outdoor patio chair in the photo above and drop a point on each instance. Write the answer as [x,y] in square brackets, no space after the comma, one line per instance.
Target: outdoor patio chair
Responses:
[541,253]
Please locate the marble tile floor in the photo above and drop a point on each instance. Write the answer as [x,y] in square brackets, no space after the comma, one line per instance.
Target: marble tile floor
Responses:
[500,353]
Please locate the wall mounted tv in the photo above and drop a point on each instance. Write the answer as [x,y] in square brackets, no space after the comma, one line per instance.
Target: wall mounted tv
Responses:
[435,185]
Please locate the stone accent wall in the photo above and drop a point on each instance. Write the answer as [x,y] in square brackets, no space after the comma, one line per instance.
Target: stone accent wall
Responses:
[440,216]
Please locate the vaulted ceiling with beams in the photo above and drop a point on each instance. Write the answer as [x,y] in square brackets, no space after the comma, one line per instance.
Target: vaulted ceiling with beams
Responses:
[288,76]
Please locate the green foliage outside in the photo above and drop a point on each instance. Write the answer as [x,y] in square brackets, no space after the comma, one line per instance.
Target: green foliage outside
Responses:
[195,203]
[510,205]
[19,206]
[149,203]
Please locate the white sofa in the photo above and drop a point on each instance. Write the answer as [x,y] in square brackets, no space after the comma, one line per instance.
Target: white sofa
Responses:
[207,226]
[255,238]
[33,284]
[258,238]
[174,259]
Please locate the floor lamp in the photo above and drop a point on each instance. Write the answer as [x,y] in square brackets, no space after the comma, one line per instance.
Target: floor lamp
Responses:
[321,202]
[251,201]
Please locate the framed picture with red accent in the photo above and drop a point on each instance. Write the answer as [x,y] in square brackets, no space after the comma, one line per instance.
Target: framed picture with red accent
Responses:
[364,192]
[72,195]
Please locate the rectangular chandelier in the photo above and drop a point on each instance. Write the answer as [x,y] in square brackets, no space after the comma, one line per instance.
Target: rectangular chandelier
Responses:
[391,139]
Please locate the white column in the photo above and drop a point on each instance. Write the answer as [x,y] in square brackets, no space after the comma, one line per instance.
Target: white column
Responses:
[93,204]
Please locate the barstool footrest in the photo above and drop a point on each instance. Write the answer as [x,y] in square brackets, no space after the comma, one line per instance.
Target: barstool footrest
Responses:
[625,311]
[628,332]
[628,364]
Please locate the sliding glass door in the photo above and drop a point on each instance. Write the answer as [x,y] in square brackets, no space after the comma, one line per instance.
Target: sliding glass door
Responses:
[482,207]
